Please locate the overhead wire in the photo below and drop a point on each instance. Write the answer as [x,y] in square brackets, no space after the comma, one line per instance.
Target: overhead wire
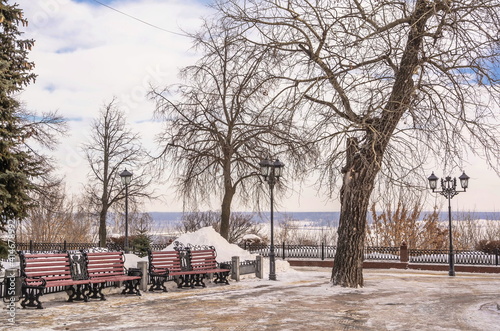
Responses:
[142,21]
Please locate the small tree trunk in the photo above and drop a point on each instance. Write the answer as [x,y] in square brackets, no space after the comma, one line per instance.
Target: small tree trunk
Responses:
[227,199]
[102,227]
[226,213]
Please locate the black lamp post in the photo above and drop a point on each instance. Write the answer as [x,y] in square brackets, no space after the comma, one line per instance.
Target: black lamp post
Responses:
[271,171]
[126,176]
[449,190]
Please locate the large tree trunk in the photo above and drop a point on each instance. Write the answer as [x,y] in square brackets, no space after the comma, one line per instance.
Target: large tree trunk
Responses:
[363,162]
[359,178]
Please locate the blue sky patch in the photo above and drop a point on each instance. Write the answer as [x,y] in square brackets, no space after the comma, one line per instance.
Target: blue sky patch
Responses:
[66,50]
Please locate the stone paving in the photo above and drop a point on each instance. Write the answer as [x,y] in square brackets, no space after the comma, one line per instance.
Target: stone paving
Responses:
[301,299]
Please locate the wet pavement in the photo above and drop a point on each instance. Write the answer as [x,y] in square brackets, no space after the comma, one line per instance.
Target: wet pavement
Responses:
[301,299]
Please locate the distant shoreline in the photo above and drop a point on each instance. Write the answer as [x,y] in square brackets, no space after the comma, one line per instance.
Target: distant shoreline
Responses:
[326,218]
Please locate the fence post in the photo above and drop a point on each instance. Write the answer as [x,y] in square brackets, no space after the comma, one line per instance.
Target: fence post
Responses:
[497,252]
[283,250]
[322,251]
[403,253]
[235,268]
[64,247]
[143,265]
[259,268]
[31,245]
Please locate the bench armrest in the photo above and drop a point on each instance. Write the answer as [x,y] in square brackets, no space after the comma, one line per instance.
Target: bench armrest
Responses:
[224,265]
[133,272]
[34,282]
[164,272]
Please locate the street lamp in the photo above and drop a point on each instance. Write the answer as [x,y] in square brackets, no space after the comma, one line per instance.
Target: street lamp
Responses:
[448,189]
[126,176]
[271,171]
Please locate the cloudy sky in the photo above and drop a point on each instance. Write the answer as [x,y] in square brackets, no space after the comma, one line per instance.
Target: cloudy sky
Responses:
[86,53]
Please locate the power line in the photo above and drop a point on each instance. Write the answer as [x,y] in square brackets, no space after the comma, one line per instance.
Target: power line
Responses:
[138,19]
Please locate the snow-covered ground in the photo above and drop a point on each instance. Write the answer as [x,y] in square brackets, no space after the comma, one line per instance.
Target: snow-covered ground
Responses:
[300,299]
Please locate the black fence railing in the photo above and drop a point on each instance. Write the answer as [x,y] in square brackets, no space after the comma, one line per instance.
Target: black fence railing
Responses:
[461,257]
[33,247]
[383,253]
[70,247]
[426,256]
[322,251]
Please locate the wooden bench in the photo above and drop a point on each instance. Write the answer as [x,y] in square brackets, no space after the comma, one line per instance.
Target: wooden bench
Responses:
[164,264]
[105,267]
[44,270]
[189,266]
[203,261]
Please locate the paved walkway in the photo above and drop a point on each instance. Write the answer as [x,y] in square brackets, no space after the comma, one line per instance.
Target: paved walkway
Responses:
[301,299]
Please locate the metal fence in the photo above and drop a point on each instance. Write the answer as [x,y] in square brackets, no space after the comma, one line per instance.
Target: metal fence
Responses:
[461,257]
[380,254]
[322,251]
[33,247]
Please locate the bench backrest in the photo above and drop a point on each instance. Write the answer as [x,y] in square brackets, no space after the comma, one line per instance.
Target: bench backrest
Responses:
[160,261]
[49,266]
[105,264]
[202,259]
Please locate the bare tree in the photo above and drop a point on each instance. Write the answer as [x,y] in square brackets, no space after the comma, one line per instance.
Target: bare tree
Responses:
[111,149]
[383,84]
[221,123]
[55,218]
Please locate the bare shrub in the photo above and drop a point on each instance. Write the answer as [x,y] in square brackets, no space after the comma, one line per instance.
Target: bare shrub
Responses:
[55,218]
[434,235]
[391,228]
[403,222]
[487,246]
[468,231]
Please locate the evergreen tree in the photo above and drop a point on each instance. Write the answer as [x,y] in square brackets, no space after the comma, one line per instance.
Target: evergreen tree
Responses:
[18,165]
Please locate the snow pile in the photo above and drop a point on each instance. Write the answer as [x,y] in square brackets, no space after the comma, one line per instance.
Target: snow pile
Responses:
[132,259]
[209,237]
[225,251]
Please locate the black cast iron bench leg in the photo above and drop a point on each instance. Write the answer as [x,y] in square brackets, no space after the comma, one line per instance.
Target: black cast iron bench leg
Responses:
[158,284]
[31,297]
